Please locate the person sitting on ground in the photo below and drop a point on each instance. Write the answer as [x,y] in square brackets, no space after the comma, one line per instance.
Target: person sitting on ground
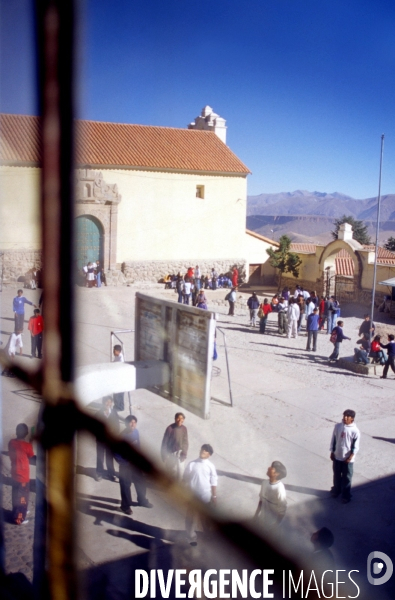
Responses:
[201,300]
[376,352]
[361,354]
[272,503]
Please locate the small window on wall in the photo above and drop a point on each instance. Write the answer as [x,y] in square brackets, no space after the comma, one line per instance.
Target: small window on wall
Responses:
[200,191]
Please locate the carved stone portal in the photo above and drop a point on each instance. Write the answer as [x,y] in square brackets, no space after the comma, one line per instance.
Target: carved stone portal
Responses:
[92,189]
[99,199]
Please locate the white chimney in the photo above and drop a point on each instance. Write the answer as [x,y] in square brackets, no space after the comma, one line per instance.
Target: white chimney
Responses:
[210,121]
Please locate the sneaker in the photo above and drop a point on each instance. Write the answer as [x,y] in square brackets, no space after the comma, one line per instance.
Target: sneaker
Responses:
[145,504]
[98,477]
[25,522]
[127,511]
[193,543]
[113,478]
[382,377]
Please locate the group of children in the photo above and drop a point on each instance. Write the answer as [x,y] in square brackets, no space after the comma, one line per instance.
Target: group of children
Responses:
[35,326]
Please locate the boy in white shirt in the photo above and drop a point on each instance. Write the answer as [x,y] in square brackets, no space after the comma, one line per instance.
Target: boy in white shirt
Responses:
[272,498]
[119,398]
[344,446]
[201,477]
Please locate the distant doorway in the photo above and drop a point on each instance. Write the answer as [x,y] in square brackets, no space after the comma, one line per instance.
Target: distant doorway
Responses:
[255,277]
[89,240]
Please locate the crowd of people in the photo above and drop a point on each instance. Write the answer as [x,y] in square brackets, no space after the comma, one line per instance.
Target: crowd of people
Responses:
[187,286]
[93,274]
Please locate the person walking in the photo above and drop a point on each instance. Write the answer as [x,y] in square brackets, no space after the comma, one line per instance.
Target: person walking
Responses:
[20,453]
[201,478]
[390,347]
[265,309]
[18,305]
[180,287]
[231,298]
[174,448]
[253,305]
[293,315]
[312,330]
[129,474]
[343,448]
[336,338]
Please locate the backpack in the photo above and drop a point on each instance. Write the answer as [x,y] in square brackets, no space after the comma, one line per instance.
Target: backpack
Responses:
[227,297]
[333,338]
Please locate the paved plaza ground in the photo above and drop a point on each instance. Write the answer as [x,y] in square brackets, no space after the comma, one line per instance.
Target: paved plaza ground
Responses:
[286,402]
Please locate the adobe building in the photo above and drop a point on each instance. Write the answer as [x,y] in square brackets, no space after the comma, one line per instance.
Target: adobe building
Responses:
[343,268]
[149,200]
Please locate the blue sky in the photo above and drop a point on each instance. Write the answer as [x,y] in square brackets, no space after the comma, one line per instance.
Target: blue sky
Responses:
[307,87]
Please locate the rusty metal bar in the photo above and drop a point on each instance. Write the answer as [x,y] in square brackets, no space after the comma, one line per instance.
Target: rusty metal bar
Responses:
[55,34]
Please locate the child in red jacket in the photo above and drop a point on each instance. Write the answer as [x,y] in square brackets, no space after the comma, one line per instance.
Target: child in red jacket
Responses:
[20,452]
[36,326]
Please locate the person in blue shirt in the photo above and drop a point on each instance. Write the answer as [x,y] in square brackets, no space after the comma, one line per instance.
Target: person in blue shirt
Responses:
[390,347]
[312,330]
[18,306]
[338,332]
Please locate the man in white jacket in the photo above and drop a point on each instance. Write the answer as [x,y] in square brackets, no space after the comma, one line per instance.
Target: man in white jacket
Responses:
[344,446]
[293,316]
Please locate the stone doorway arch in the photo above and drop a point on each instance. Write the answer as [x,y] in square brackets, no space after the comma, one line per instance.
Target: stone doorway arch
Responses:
[341,266]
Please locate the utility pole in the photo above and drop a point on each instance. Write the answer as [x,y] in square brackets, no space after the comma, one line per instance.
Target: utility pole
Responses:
[377,236]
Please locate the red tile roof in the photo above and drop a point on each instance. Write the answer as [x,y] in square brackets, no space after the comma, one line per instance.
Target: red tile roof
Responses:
[303,248]
[122,145]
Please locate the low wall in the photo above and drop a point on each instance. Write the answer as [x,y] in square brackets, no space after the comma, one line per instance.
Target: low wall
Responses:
[153,271]
[16,263]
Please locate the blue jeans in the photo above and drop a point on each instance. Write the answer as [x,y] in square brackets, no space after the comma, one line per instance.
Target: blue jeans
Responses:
[312,337]
[180,297]
[262,324]
[336,350]
[186,298]
[342,477]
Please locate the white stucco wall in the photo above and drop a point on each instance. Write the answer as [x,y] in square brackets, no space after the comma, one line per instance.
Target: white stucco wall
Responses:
[19,208]
[256,249]
[160,218]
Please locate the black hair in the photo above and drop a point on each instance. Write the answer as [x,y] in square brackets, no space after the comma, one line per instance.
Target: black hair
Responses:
[21,431]
[20,291]
[130,418]
[280,469]
[349,413]
[208,449]
[36,311]
[325,537]
[391,336]
[179,414]
[118,347]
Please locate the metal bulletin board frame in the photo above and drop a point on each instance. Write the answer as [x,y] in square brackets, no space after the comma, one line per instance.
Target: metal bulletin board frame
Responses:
[183,336]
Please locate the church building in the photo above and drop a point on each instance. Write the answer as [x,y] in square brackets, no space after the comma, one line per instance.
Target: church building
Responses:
[149,200]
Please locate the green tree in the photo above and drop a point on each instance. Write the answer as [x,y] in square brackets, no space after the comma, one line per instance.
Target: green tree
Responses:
[360,230]
[390,244]
[283,259]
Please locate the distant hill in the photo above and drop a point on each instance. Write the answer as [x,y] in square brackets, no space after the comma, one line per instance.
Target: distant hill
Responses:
[305,215]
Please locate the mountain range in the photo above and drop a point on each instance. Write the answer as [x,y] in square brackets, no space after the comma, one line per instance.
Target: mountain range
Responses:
[305,215]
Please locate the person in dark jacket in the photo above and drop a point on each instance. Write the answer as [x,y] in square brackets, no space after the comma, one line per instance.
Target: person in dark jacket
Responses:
[174,448]
[339,338]
[390,347]
[129,474]
[367,328]
[253,305]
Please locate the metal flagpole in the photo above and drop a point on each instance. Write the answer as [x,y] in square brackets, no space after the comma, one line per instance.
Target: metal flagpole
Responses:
[377,237]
